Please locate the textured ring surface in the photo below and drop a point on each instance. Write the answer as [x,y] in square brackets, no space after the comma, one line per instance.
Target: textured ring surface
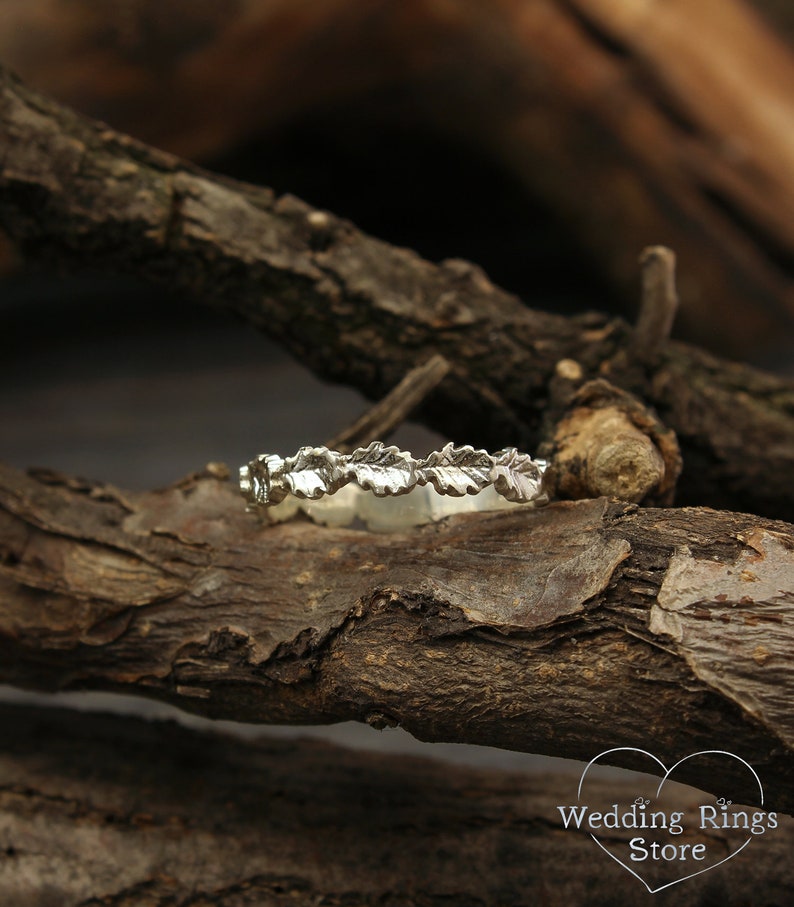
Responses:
[457,471]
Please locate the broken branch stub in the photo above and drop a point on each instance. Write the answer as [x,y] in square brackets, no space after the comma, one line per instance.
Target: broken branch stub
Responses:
[609,443]
[658,304]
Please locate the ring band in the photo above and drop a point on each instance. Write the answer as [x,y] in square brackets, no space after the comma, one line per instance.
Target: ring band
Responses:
[457,471]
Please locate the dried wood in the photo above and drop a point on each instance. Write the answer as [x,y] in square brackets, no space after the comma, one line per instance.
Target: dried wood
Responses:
[558,631]
[608,444]
[658,305]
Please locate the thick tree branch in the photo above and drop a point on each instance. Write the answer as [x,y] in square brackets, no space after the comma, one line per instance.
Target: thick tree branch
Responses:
[362,312]
[560,630]
[96,809]
[610,111]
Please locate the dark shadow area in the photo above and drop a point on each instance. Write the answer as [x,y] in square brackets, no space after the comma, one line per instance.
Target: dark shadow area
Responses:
[442,198]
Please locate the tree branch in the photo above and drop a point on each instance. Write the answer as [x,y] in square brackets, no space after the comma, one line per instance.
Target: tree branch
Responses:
[359,311]
[567,95]
[559,630]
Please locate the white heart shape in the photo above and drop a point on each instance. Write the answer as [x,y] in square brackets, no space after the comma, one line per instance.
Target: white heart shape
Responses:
[667,773]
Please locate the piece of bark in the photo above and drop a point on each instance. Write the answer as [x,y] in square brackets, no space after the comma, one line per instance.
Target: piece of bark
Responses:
[359,311]
[609,111]
[108,810]
[561,630]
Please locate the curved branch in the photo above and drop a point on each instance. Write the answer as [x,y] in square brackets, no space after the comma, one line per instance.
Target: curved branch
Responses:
[560,630]
[609,111]
[359,311]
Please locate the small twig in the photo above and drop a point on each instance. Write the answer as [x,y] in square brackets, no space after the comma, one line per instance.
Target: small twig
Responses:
[382,419]
[658,305]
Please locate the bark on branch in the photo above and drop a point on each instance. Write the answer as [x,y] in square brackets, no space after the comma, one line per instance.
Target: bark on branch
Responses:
[562,630]
[359,311]
[611,112]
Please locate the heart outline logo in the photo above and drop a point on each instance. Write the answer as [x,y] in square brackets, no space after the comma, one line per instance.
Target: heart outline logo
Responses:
[667,773]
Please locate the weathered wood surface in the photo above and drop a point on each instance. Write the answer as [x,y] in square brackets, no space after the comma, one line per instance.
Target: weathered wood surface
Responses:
[102,810]
[561,630]
[614,113]
[359,311]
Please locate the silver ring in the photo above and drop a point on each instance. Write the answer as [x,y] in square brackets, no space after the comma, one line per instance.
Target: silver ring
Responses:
[385,471]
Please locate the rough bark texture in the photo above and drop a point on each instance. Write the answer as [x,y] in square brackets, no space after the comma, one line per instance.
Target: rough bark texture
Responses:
[616,114]
[560,630]
[359,311]
[100,810]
